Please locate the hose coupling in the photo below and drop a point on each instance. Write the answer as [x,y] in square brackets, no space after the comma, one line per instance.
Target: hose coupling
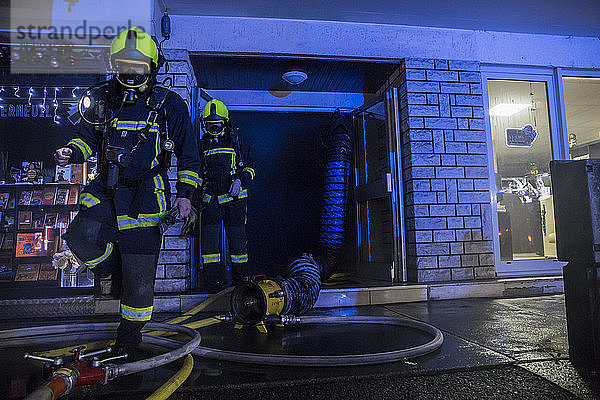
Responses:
[68,375]
[289,320]
[112,371]
[225,317]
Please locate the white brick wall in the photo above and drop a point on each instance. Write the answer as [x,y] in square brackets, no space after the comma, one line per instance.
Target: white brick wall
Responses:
[445,167]
[173,272]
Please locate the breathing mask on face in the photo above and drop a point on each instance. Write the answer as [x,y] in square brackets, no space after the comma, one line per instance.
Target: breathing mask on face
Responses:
[133,74]
[215,128]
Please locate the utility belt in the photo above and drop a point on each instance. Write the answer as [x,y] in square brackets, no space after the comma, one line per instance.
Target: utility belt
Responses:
[226,198]
[138,184]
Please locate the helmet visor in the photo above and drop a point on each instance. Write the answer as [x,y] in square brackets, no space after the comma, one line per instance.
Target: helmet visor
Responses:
[215,127]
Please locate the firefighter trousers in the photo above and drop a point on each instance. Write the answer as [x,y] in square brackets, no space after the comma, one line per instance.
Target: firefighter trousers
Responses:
[108,241]
[233,217]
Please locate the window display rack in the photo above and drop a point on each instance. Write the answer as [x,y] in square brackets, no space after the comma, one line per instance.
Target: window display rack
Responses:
[33,218]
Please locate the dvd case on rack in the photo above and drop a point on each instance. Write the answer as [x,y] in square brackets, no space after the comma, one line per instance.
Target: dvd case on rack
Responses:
[25,198]
[47,272]
[8,242]
[78,173]
[4,197]
[6,269]
[27,272]
[49,195]
[73,194]
[50,219]
[30,245]
[31,172]
[37,219]
[62,196]
[36,197]
[24,219]
[15,175]
[62,174]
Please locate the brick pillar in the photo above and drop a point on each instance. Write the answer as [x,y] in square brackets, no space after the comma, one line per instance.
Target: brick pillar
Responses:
[173,272]
[447,201]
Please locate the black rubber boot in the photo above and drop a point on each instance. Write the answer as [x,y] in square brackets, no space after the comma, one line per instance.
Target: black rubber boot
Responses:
[129,335]
[214,281]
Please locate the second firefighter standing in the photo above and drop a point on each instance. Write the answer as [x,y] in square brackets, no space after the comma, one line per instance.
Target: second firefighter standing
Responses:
[228,167]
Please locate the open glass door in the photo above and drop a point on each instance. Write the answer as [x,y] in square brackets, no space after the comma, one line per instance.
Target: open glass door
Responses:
[377,191]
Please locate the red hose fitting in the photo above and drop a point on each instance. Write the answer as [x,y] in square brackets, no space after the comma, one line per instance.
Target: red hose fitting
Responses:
[62,381]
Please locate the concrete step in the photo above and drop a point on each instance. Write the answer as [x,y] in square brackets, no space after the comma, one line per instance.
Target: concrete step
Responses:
[338,297]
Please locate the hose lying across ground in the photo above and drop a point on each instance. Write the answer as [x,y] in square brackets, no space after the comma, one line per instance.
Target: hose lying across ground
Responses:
[20,337]
[95,331]
[321,360]
[54,333]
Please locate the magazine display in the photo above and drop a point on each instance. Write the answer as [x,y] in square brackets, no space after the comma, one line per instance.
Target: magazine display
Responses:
[35,211]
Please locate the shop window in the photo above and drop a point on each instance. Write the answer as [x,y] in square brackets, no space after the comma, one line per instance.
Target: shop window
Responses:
[522,148]
[582,103]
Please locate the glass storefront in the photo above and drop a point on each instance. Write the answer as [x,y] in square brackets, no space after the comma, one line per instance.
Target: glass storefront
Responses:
[582,104]
[522,151]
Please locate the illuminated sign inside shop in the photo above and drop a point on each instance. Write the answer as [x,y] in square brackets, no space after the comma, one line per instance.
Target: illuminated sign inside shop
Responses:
[38,102]
[10,110]
[520,137]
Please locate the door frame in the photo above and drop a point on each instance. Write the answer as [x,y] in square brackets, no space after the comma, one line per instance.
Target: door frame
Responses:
[394,180]
[399,271]
[394,185]
[560,149]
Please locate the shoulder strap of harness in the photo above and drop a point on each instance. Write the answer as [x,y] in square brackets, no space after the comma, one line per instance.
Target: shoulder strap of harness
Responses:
[155,103]
[235,138]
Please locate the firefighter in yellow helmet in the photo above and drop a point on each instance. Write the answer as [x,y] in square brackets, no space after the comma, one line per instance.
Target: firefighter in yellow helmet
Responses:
[116,230]
[228,167]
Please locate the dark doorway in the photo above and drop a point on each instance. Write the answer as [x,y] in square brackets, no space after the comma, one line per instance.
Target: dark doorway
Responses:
[285,198]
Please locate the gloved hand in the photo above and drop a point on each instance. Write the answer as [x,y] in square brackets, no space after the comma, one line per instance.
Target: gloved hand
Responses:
[234,189]
[62,156]
[184,205]
[187,230]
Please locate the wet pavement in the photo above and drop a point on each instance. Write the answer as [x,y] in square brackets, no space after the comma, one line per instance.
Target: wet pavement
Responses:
[493,348]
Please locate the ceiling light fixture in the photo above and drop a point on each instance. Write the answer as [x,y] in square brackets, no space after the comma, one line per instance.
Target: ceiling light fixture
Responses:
[294,77]
[507,109]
